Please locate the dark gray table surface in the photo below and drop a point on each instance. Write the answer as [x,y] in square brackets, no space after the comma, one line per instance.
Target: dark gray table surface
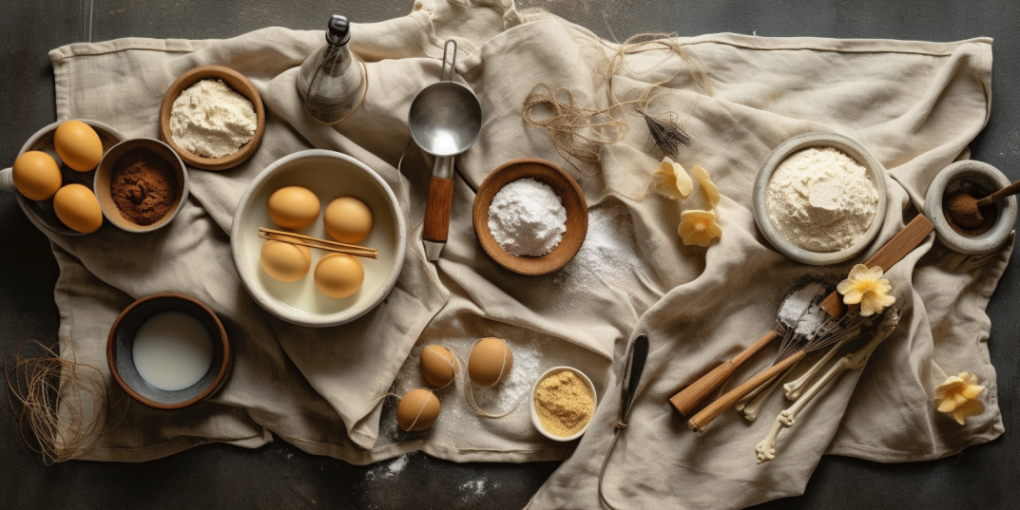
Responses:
[280,475]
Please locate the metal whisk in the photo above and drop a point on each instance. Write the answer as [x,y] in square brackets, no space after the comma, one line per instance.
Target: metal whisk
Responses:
[793,348]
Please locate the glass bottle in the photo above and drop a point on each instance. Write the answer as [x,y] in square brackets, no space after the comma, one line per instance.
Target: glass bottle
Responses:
[332,79]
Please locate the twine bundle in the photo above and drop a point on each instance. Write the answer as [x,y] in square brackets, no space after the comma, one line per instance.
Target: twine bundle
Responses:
[579,132]
[58,402]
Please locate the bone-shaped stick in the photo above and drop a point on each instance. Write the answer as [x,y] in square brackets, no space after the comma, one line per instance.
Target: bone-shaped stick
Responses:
[793,389]
[752,409]
[766,449]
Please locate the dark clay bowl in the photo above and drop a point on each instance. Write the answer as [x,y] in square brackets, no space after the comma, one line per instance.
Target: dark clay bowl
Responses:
[120,342]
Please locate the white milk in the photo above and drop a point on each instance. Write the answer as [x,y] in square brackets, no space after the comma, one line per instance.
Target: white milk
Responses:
[172,351]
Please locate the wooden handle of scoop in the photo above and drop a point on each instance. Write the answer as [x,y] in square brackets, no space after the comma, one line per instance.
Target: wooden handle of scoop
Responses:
[691,396]
[437,210]
[710,412]
[898,247]
[1012,189]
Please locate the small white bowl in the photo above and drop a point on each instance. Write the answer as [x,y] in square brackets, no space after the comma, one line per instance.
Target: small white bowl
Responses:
[983,179]
[534,414]
[329,175]
[805,141]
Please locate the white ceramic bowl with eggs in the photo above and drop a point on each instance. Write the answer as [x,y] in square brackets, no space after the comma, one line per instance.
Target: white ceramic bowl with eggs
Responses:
[329,175]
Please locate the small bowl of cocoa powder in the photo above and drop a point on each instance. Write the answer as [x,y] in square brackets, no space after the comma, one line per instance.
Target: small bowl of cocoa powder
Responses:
[959,224]
[141,184]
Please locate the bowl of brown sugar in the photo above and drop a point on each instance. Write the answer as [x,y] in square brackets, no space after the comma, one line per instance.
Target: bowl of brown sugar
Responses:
[563,400]
[141,184]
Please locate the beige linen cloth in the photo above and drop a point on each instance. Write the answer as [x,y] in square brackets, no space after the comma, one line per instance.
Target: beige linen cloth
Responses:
[915,105]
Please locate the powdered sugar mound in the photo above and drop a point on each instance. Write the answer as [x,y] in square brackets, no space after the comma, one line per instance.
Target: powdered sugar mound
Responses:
[608,254]
[527,218]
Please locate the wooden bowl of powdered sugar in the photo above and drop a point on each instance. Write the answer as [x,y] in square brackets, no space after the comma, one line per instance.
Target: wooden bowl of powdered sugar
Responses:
[820,198]
[220,122]
[530,216]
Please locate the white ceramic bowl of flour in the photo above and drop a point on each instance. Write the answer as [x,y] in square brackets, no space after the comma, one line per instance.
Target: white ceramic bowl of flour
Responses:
[329,175]
[839,200]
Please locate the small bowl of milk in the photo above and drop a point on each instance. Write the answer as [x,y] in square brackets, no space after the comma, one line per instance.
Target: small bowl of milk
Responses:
[168,351]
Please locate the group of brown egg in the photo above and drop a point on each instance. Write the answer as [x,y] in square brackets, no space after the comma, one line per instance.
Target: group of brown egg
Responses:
[489,363]
[37,176]
[347,219]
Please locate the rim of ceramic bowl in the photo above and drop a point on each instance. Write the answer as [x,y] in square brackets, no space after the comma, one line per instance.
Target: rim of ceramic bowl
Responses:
[221,376]
[853,149]
[182,170]
[992,178]
[534,414]
[23,201]
[238,83]
[283,311]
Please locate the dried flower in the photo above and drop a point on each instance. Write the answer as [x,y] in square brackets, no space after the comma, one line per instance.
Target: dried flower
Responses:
[867,287]
[958,395]
[671,180]
[698,227]
[711,192]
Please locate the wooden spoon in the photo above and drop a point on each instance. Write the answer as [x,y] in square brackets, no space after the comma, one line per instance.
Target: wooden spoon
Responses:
[899,246]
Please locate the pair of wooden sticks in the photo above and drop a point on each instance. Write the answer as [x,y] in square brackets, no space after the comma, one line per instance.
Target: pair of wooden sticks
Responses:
[315,242]
[688,399]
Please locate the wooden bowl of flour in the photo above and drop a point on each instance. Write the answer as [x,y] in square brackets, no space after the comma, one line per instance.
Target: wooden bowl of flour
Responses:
[239,84]
[563,185]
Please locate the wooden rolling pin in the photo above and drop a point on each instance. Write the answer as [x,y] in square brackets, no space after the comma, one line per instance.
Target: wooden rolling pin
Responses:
[898,247]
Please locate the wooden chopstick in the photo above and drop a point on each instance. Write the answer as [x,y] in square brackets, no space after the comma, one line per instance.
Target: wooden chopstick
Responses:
[315,242]
[892,252]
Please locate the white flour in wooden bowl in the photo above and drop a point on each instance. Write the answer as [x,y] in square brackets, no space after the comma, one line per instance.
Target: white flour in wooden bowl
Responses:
[821,199]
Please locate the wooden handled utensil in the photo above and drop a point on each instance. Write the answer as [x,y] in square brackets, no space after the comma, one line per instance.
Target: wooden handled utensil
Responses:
[892,252]
[445,120]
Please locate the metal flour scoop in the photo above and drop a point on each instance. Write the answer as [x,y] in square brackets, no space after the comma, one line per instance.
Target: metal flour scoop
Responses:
[445,120]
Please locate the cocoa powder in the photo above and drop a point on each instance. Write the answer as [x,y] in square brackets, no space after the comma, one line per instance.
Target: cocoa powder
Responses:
[964,217]
[143,186]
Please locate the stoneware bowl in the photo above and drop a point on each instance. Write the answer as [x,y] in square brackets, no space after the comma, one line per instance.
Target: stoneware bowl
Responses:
[239,84]
[121,340]
[329,175]
[104,177]
[979,179]
[534,414]
[573,201]
[41,213]
[805,141]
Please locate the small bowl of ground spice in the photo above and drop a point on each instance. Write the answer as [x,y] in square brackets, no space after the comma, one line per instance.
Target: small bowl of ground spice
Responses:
[141,184]
[563,401]
[957,226]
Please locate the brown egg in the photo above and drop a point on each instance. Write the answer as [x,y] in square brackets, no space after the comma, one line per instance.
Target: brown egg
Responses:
[490,361]
[284,261]
[78,208]
[438,365]
[348,220]
[418,410]
[78,145]
[36,175]
[339,275]
[293,207]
